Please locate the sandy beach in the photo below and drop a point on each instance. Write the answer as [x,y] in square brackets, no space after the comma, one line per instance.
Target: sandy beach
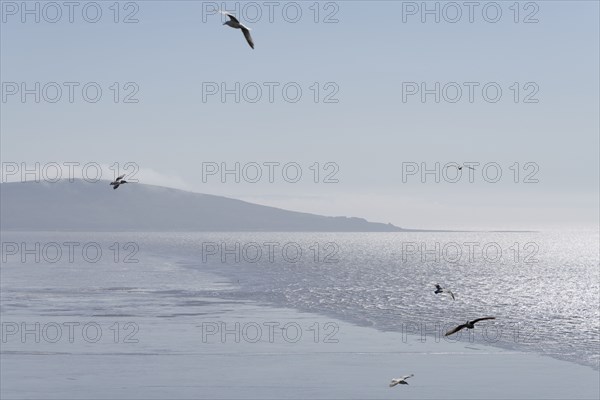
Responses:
[312,357]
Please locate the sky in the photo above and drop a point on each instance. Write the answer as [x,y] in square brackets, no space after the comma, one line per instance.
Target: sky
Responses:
[360,98]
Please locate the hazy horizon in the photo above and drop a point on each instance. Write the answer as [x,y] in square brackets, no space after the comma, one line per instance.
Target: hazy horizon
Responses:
[591,227]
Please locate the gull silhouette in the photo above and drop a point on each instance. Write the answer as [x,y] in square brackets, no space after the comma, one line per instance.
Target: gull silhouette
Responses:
[117,182]
[468,325]
[439,289]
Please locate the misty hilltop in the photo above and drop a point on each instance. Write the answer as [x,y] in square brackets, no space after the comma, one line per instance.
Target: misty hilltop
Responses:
[85,206]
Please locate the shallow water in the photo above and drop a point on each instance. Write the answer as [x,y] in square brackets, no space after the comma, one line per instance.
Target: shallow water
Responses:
[543,288]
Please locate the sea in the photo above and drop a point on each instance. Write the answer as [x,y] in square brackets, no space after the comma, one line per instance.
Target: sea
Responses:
[542,288]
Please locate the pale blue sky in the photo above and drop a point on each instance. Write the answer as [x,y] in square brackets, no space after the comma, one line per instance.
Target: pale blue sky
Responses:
[369,53]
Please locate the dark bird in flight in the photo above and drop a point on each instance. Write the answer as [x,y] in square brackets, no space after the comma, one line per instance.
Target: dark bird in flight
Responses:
[401,381]
[461,167]
[468,325]
[439,289]
[235,23]
[117,182]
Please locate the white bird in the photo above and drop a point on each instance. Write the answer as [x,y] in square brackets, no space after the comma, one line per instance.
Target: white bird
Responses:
[117,182]
[468,325]
[401,381]
[439,289]
[235,23]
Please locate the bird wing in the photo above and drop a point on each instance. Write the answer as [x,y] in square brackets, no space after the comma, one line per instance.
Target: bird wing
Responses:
[247,36]
[482,319]
[451,294]
[458,328]
[438,287]
[394,382]
[116,186]
[231,17]
[407,376]
[120,177]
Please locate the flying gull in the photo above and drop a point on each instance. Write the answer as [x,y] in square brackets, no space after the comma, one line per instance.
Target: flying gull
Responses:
[235,23]
[401,381]
[439,289]
[461,167]
[117,182]
[468,325]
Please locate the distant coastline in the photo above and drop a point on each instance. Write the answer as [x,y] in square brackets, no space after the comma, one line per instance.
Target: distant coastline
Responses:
[95,207]
[80,206]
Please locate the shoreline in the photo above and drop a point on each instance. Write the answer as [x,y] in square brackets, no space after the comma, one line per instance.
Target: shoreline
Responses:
[330,359]
[365,323]
[178,315]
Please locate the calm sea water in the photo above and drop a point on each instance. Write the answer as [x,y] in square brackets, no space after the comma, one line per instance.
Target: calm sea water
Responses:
[542,287]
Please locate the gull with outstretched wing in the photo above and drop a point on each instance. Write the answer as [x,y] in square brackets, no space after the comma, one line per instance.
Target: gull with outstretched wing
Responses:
[468,325]
[401,381]
[117,182]
[236,24]
[439,289]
